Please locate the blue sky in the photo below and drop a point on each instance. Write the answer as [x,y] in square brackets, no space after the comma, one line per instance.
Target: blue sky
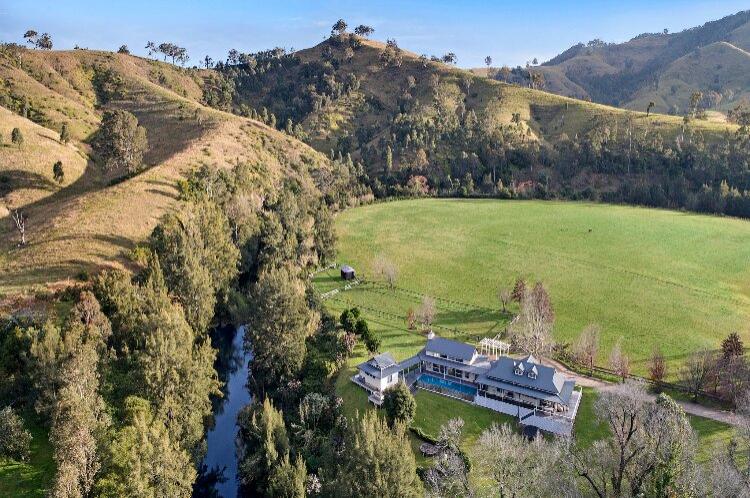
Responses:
[512,32]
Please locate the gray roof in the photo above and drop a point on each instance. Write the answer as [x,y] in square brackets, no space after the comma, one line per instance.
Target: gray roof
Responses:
[480,366]
[380,366]
[451,348]
[547,380]
[562,397]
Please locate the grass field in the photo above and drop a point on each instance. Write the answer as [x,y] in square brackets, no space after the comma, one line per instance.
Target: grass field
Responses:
[650,277]
[32,478]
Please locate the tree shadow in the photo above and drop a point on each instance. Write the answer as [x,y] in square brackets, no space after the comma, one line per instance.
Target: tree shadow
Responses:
[17,179]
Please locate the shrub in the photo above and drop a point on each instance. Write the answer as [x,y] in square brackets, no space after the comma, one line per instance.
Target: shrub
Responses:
[15,440]
[399,405]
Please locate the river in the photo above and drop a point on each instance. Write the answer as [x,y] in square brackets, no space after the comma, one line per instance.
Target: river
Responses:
[232,366]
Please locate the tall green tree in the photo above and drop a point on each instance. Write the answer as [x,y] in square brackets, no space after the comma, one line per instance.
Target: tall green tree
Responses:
[399,404]
[121,142]
[280,323]
[376,461]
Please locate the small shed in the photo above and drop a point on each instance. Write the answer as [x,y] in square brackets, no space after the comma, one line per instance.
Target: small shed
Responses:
[347,273]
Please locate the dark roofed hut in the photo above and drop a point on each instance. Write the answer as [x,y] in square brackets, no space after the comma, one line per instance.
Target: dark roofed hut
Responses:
[347,273]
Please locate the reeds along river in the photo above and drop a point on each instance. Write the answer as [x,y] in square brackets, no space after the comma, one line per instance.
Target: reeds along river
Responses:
[218,473]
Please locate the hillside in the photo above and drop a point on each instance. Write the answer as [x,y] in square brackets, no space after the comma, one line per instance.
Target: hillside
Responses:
[661,68]
[87,222]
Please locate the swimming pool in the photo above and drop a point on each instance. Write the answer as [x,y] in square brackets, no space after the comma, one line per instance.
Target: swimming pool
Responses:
[447,384]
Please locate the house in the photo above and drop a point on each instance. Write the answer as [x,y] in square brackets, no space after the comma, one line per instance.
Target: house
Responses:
[347,273]
[537,394]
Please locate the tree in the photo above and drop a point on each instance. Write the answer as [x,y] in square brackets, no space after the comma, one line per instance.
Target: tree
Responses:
[142,460]
[123,50]
[537,80]
[399,405]
[208,62]
[57,172]
[372,344]
[732,346]
[278,327]
[16,137]
[121,142]
[657,368]
[619,362]
[488,63]
[385,269]
[532,332]
[65,133]
[696,371]
[649,107]
[519,290]
[504,296]
[586,346]
[426,312]
[448,475]
[151,47]
[15,440]
[288,480]
[364,31]
[262,445]
[450,58]
[650,451]
[44,42]
[31,37]
[19,220]
[375,461]
[339,28]
[519,467]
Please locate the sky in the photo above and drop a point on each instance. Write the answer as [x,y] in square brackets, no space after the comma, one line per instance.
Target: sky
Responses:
[512,32]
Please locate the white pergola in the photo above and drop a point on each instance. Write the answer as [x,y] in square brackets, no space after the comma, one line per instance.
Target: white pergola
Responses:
[493,347]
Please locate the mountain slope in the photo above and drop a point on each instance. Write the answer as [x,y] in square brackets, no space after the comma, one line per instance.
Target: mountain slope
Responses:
[89,222]
[655,66]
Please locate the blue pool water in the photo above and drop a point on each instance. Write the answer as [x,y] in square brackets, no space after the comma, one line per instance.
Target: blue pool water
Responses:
[448,384]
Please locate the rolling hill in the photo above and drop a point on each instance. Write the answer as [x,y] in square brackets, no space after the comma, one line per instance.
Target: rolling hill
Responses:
[660,67]
[89,222]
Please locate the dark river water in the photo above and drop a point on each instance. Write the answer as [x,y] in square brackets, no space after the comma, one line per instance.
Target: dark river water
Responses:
[232,368]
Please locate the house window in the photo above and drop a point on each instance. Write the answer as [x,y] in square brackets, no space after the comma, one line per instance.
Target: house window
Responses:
[532,375]
[519,371]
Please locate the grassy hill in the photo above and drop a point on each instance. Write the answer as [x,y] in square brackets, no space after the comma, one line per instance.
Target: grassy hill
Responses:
[647,277]
[548,116]
[659,67]
[88,222]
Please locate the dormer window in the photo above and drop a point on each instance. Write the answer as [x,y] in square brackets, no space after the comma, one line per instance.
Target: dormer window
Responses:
[519,369]
[532,375]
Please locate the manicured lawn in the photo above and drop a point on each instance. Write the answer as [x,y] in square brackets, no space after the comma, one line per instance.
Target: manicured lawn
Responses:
[651,277]
[29,479]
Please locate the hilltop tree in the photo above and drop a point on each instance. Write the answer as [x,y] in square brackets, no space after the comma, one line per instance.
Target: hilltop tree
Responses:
[44,42]
[121,142]
[151,47]
[537,80]
[208,62]
[399,405]
[450,58]
[376,460]
[123,50]
[364,31]
[586,346]
[57,172]
[339,28]
[648,108]
[16,137]
[31,37]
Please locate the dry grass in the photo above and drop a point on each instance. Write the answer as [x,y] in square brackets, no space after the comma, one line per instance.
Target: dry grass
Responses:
[90,224]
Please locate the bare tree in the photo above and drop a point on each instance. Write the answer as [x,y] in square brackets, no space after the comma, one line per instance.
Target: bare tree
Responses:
[426,312]
[619,361]
[20,221]
[657,368]
[651,447]
[696,371]
[586,346]
[532,332]
[504,296]
[385,269]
